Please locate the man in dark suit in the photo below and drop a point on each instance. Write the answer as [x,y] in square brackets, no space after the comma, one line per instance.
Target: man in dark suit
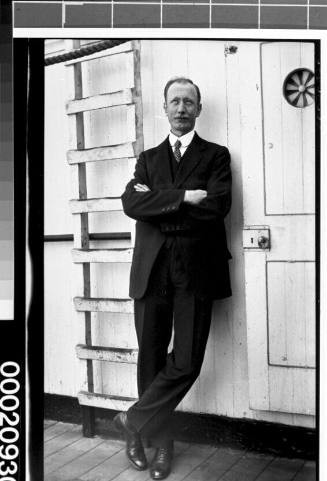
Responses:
[180,194]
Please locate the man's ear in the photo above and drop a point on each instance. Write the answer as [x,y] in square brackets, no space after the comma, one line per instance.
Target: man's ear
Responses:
[199,110]
[165,107]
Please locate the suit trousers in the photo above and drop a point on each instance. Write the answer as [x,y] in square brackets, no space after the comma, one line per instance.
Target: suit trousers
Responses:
[169,305]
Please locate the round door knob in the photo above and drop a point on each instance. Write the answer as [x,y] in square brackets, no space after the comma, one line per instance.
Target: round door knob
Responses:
[263,241]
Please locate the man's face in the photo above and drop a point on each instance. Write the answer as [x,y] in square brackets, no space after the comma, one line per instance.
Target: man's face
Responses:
[182,107]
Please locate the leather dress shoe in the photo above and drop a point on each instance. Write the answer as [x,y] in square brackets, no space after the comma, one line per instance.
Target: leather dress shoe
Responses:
[134,447]
[161,464]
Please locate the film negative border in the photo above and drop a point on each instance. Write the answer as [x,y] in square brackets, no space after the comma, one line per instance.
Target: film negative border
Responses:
[12,270]
[6,173]
[292,14]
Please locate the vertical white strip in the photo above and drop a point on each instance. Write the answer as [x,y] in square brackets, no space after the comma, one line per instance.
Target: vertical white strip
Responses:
[63,14]
[308,13]
[259,14]
[210,14]
[112,13]
[161,13]
[323,265]
[28,295]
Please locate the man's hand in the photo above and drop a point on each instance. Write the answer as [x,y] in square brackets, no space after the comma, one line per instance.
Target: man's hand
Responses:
[194,197]
[141,188]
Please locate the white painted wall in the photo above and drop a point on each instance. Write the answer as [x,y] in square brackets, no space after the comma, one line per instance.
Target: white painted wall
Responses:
[223,386]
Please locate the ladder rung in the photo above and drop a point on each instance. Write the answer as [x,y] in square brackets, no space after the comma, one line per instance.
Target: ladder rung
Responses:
[105,401]
[102,255]
[110,354]
[114,99]
[98,304]
[96,205]
[108,152]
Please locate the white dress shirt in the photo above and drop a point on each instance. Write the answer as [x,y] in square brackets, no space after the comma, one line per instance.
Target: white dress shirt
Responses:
[184,139]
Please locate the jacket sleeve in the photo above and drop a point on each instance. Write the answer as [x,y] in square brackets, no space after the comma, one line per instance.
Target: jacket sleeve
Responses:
[152,205]
[218,201]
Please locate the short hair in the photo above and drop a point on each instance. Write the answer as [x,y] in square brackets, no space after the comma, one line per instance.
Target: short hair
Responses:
[182,80]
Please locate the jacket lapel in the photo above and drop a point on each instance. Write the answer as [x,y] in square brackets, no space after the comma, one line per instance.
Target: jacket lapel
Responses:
[190,160]
[162,162]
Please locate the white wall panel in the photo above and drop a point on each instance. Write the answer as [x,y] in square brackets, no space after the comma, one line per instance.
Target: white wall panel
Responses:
[222,387]
[57,184]
[62,330]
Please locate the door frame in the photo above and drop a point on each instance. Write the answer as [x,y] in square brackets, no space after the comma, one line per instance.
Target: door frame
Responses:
[252,152]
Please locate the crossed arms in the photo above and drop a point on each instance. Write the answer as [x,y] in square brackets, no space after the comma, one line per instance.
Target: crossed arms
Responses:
[142,202]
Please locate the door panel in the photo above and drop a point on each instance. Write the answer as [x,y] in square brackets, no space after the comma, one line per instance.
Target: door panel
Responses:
[288,134]
[279,195]
[292,390]
[291,343]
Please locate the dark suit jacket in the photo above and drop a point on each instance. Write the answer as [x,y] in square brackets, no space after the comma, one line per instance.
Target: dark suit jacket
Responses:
[200,229]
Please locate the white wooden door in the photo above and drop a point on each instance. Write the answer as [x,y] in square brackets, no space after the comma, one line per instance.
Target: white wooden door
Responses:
[279,201]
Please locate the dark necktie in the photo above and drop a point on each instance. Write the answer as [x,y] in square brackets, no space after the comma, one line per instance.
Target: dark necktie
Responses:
[177,152]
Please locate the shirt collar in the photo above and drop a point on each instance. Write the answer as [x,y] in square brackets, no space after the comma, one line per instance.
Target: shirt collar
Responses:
[185,139]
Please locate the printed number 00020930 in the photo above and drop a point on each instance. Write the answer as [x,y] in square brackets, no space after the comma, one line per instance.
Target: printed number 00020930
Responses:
[9,418]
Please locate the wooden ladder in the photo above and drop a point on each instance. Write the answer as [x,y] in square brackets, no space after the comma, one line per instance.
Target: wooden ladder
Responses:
[82,206]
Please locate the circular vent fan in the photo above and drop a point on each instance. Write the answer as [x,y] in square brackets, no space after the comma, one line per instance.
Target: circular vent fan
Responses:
[299,88]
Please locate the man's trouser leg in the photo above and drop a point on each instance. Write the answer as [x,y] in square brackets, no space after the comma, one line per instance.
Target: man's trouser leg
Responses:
[153,320]
[164,380]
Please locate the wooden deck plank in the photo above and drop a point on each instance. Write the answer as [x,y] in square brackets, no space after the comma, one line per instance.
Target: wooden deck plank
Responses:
[62,440]
[89,461]
[130,474]
[248,468]
[307,472]
[108,469]
[215,466]
[56,477]
[189,460]
[70,452]
[56,430]
[70,457]
[281,469]
[48,423]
